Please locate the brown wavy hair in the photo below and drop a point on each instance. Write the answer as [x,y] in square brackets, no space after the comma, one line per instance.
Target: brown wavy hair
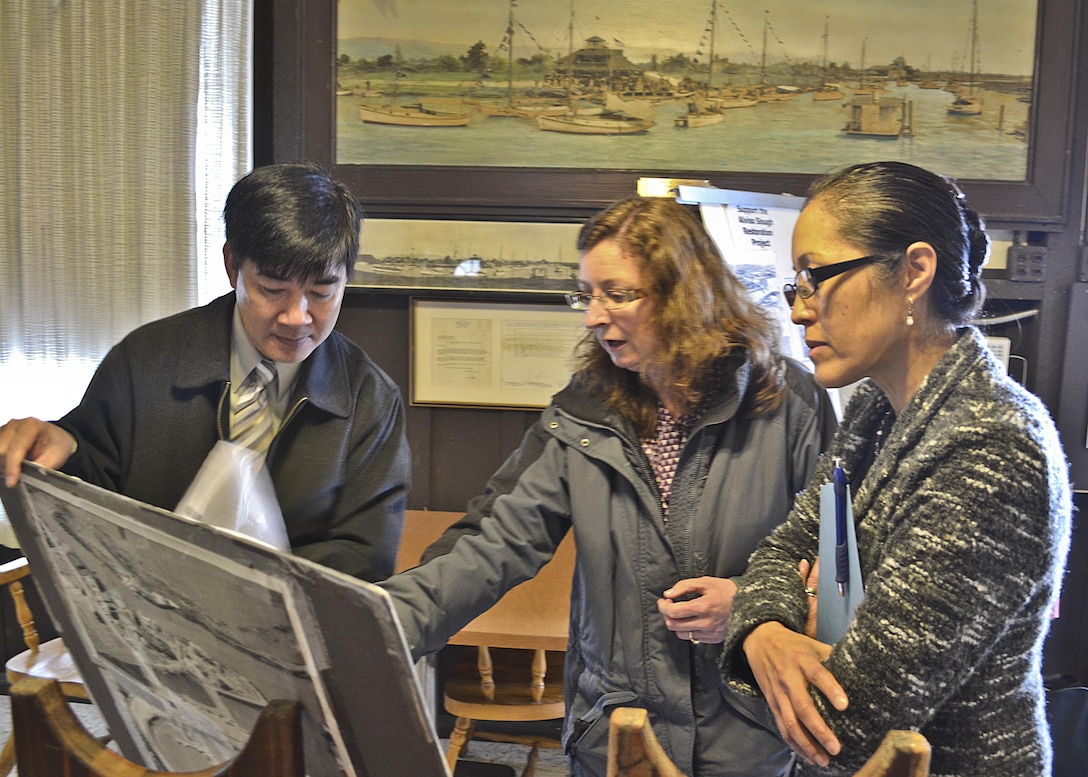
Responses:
[702,314]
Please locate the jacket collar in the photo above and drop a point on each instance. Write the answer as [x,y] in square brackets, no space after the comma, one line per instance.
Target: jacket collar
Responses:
[204,360]
[735,376]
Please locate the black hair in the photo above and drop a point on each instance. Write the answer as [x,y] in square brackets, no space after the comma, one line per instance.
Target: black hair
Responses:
[886,206]
[293,221]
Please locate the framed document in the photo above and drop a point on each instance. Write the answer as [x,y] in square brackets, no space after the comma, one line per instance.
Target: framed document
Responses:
[473,354]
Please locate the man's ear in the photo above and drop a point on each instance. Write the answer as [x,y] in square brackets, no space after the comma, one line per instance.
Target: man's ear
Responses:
[230,266]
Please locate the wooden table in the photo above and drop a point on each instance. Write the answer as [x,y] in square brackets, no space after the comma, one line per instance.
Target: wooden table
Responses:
[535,614]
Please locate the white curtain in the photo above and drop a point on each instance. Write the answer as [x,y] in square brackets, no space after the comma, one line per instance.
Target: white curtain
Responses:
[123,125]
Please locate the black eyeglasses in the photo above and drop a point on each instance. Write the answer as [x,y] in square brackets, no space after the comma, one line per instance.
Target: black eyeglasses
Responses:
[808,279]
[613,299]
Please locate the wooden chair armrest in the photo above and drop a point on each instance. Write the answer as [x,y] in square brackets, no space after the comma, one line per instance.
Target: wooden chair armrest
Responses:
[900,754]
[633,750]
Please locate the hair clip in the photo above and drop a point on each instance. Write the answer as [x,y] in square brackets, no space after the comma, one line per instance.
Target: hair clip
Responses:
[954,187]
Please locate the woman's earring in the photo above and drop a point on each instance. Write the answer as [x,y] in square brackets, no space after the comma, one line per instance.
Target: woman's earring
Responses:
[910,311]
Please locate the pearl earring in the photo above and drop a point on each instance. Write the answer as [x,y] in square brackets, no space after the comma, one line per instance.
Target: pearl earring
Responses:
[910,311]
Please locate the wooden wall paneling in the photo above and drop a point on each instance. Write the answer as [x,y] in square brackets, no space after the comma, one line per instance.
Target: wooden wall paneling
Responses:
[467,446]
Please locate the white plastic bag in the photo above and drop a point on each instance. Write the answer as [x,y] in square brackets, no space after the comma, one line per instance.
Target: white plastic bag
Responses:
[233,490]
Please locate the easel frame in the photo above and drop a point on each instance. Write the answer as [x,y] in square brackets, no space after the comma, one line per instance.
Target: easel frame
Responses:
[184,632]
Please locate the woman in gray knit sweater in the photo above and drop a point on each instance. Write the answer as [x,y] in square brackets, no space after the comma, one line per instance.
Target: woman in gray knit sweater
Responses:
[961,500]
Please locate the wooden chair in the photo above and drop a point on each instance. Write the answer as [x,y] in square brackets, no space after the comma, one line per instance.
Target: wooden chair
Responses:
[901,754]
[519,643]
[503,685]
[52,741]
[49,661]
[633,751]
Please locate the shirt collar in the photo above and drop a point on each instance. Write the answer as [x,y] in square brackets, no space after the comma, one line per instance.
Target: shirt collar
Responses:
[244,356]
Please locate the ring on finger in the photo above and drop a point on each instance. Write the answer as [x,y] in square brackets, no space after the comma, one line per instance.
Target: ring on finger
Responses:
[810,592]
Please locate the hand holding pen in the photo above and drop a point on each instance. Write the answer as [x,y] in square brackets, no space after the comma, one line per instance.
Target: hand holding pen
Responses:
[842,563]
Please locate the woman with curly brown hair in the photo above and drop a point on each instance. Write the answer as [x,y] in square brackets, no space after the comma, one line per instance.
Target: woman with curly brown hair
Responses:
[678,444]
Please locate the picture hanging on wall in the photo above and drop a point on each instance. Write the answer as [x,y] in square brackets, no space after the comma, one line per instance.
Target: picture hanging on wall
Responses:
[778,86]
[435,255]
[544,110]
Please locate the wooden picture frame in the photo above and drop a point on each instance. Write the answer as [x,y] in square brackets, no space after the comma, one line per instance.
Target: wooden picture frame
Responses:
[299,73]
[452,258]
[483,354]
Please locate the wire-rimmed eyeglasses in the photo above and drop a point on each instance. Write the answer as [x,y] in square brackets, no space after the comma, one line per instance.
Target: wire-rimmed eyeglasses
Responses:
[807,280]
[612,299]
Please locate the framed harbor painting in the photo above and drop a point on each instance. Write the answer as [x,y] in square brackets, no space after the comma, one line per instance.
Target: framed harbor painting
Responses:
[515,109]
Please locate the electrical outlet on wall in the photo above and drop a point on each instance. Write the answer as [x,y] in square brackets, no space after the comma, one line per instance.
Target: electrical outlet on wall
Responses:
[1026,263]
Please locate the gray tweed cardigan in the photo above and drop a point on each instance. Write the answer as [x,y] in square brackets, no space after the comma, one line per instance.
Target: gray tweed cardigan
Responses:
[963,524]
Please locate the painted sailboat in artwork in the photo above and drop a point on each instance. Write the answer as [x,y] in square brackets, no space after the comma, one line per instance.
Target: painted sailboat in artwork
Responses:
[434,113]
[411,116]
[969,103]
[871,114]
[701,112]
[765,92]
[826,91]
[866,88]
[591,121]
[513,107]
[593,124]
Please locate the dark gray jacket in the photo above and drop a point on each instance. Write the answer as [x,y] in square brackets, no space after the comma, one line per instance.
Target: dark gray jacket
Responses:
[340,464]
[581,467]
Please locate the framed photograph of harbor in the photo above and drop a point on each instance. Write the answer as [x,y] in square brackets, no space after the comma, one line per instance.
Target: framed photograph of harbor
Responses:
[509,355]
[522,109]
[452,256]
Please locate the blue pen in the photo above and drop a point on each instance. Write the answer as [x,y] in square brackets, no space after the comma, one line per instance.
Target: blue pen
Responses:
[842,564]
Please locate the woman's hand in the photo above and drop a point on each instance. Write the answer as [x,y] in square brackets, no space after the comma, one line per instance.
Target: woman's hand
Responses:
[698,608]
[810,579]
[786,664]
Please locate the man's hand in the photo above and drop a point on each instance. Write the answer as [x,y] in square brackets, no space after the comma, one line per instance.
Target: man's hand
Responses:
[35,440]
[786,664]
[698,608]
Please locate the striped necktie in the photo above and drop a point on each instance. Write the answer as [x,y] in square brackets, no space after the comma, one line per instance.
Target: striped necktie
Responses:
[252,424]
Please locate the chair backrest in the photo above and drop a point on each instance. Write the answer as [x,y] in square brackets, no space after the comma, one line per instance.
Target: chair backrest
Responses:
[51,741]
[12,574]
[633,751]
[901,754]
